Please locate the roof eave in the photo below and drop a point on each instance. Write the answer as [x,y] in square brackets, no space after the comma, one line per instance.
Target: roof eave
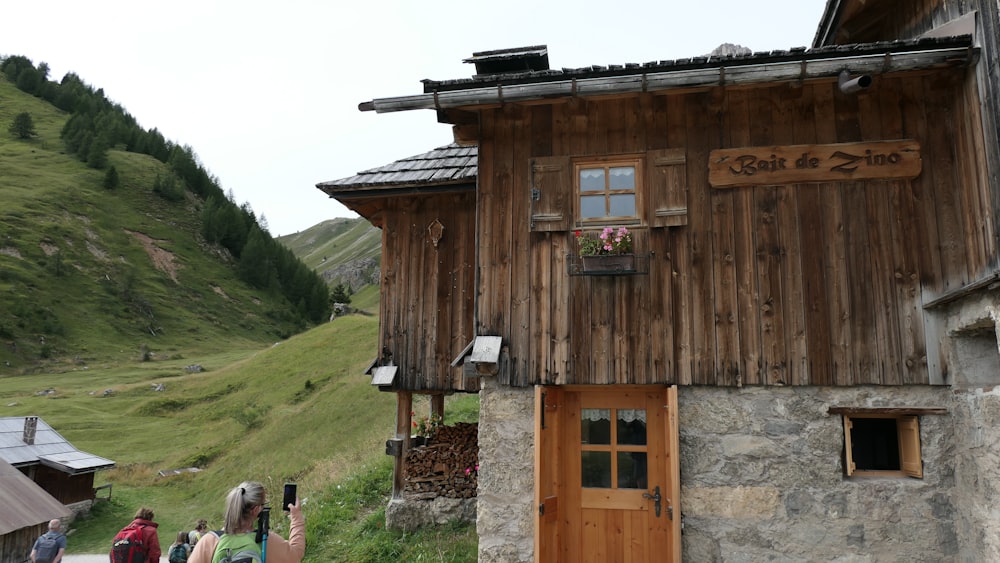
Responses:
[796,68]
[374,190]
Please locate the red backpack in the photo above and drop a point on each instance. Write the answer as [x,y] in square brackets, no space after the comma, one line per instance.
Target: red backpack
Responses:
[128,546]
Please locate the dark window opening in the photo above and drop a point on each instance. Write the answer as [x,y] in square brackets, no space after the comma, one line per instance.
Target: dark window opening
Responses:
[876,444]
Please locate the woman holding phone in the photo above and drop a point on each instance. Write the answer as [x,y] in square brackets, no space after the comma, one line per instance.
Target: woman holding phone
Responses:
[244,505]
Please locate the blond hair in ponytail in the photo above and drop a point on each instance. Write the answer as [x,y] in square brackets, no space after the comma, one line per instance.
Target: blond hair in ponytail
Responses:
[240,503]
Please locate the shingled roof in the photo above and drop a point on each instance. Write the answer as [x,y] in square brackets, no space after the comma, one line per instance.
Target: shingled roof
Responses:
[794,65]
[449,165]
[795,54]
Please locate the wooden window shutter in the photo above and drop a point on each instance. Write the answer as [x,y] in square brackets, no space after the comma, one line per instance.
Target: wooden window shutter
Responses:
[551,194]
[908,429]
[848,454]
[666,193]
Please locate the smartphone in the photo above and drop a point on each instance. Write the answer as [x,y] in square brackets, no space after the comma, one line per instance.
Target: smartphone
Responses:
[291,491]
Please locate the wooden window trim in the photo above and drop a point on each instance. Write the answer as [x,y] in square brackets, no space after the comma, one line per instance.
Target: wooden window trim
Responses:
[891,411]
[607,162]
[907,436]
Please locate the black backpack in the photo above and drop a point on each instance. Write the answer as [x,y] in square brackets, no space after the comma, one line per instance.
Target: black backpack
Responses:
[178,554]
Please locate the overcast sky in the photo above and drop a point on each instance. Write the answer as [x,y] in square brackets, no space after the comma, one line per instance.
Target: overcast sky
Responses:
[267,93]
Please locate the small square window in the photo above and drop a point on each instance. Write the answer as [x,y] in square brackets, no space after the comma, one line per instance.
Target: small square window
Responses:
[608,189]
[882,445]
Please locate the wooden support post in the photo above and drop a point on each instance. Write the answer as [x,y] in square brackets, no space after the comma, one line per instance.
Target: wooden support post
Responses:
[404,406]
[437,405]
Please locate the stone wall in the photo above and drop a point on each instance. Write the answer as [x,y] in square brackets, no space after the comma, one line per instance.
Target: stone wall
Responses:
[973,370]
[504,516]
[409,514]
[762,477]
[977,472]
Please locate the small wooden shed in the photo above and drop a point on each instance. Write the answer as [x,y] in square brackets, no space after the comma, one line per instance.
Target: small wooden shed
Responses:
[26,513]
[33,447]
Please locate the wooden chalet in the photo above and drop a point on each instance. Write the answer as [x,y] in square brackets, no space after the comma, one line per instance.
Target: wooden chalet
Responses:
[33,447]
[799,361]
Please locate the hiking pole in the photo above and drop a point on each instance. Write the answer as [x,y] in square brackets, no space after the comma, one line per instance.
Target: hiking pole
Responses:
[263,523]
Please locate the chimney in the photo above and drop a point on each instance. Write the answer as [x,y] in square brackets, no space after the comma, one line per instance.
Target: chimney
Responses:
[510,61]
[30,425]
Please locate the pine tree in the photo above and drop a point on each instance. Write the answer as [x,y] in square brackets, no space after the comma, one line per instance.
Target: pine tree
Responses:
[340,294]
[111,180]
[23,126]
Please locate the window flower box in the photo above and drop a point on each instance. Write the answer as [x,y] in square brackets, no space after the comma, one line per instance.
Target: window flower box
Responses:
[613,263]
[608,253]
[608,264]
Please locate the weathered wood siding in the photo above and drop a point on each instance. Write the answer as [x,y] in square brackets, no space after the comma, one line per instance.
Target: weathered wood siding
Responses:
[806,284]
[67,489]
[427,291]
[909,19]
[15,546]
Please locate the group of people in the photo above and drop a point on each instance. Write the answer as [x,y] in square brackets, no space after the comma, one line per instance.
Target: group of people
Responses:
[244,505]
[179,551]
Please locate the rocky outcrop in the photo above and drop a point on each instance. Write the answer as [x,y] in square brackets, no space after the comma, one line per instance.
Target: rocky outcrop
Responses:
[356,273]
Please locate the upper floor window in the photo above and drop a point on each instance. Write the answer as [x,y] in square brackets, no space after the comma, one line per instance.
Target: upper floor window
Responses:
[607,190]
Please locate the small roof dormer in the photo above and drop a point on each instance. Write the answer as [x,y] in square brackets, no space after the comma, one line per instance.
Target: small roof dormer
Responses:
[510,61]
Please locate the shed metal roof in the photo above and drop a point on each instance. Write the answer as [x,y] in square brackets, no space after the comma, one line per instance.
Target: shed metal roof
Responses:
[449,165]
[24,503]
[49,448]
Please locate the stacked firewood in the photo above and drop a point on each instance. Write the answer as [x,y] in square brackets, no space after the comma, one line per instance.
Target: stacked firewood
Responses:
[447,466]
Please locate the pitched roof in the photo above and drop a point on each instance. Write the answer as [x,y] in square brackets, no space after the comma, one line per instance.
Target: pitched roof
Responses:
[48,448]
[449,165]
[795,54]
[795,64]
[25,503]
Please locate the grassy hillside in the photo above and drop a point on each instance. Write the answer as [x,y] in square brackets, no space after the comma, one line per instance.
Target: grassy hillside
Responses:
[300,410]
[89,275]
[104,295]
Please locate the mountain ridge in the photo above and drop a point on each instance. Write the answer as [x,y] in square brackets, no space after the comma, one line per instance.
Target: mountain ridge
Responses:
[91,274]
[342,250]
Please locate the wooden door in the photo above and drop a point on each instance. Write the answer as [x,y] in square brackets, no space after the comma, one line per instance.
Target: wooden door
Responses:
[607,476]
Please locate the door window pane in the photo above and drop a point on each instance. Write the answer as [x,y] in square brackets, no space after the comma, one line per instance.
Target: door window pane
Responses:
[632,427]
[595,426]
[632,470]
[596,469]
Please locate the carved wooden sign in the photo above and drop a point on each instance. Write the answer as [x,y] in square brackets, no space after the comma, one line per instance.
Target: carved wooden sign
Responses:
[798,164]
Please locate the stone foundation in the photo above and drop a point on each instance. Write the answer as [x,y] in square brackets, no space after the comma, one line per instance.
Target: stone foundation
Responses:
[762,477]
[411,514]
[505,521]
